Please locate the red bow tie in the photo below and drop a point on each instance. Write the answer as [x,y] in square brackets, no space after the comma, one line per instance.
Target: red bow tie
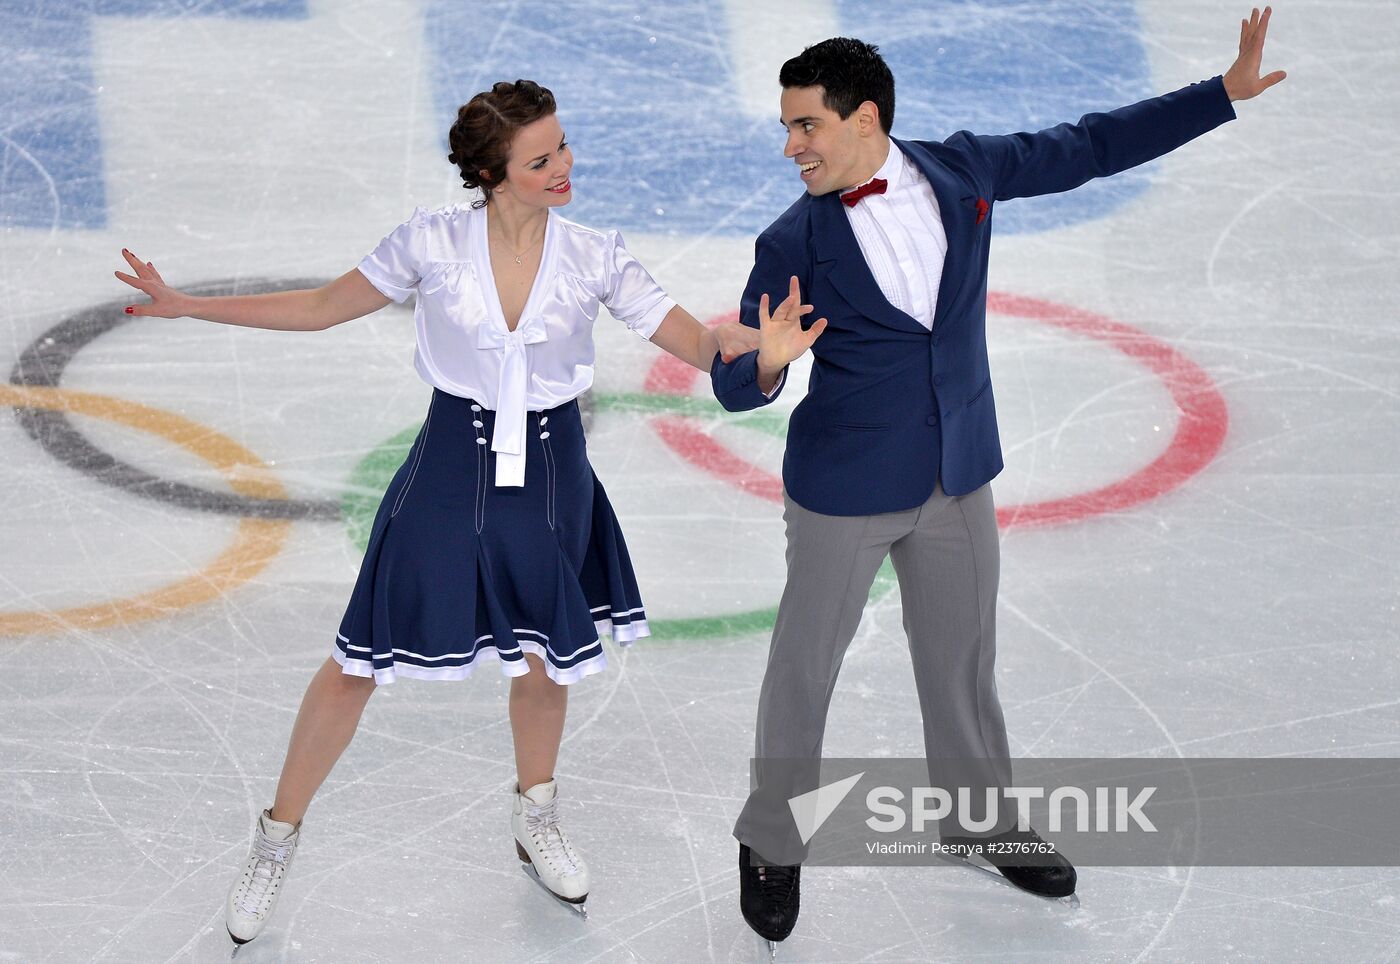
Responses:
[877,186]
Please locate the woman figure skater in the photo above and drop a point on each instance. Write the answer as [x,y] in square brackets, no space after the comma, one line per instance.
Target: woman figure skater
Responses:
[494,541]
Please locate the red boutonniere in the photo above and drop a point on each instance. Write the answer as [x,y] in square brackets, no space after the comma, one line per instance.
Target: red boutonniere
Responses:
[982,208]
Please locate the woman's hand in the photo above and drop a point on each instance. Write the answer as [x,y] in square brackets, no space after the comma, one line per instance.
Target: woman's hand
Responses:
[166,302]
[735,340]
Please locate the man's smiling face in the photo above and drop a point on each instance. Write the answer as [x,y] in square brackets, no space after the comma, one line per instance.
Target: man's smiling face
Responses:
[832,154]
[823,146]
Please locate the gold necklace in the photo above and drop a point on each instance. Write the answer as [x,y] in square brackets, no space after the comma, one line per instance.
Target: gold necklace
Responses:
[523,251]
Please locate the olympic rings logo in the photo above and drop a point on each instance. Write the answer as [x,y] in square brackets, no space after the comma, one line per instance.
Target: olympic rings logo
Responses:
[259,500]
[266,511]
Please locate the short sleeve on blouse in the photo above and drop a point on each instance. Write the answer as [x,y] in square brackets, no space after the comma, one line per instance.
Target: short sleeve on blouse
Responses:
[629,292]
[395,266]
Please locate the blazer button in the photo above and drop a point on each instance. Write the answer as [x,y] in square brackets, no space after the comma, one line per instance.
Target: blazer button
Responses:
[933,420]
[938,379]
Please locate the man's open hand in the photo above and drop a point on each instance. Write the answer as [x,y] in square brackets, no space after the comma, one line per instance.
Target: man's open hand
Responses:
[781,338]
[1242,80]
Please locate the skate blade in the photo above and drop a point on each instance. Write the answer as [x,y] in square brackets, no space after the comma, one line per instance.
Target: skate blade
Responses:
[1070,902]
[576,906]
[772,952]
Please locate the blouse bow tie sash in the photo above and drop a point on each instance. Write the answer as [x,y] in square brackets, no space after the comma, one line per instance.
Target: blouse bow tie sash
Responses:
[508,437]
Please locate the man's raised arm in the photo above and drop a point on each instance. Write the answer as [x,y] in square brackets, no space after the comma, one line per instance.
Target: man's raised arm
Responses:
[1065,156]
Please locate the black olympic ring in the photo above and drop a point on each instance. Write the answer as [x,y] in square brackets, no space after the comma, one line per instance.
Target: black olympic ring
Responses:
[42,364]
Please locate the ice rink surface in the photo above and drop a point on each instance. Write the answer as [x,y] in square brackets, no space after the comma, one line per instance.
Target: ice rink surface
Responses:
[1198,375]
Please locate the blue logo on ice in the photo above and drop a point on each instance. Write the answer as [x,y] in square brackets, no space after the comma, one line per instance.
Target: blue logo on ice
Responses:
[647,95]
[50,151]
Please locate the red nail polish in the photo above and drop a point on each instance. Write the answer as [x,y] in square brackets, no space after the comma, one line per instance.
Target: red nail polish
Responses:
[130,310]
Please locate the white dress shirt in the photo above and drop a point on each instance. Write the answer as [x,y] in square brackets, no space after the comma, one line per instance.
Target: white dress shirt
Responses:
[901,235]
[463,345]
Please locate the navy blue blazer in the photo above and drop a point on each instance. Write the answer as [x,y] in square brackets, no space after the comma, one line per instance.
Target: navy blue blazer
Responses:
[891,406]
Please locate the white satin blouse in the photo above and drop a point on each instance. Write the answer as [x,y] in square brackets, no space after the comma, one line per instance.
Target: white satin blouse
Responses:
[463,346]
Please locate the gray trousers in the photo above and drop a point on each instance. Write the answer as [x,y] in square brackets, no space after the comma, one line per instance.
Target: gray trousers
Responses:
[947,556]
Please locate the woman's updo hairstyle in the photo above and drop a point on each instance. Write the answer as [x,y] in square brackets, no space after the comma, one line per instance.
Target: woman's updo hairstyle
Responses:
[486,124]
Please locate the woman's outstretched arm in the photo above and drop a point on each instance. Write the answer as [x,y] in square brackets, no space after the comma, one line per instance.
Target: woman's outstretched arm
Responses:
[312,309]
[681,335]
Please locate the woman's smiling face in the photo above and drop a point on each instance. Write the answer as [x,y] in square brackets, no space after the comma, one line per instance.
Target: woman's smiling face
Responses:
[537,173]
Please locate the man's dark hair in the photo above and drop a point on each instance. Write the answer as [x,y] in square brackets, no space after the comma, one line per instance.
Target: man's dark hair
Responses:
[849,71]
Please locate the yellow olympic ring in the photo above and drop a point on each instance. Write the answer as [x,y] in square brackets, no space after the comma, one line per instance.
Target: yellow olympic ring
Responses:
[256,543]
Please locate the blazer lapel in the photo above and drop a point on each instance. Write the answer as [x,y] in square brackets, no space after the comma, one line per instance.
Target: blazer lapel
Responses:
[958,222]
[839,256]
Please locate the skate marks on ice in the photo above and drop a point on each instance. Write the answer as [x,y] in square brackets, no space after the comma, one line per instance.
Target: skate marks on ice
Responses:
[1256,251]
[982,866]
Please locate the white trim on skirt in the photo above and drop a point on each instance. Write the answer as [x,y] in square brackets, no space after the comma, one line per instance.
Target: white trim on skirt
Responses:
[624,634]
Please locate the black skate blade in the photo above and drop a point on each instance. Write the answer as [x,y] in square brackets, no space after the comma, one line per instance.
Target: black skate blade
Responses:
[576,906]
[1069,902]
[241,950]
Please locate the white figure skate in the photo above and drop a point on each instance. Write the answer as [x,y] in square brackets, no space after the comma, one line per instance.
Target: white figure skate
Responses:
[544,849]
[254,894]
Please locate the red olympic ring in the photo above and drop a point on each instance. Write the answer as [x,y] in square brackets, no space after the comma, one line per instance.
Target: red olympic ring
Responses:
[1202,423]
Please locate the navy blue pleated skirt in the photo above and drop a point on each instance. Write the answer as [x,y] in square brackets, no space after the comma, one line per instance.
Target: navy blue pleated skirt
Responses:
[459,571]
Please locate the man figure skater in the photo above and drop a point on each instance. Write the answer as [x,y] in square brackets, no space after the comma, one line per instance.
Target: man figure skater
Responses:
[892,450]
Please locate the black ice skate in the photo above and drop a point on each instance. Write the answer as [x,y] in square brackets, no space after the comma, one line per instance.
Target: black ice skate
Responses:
[769,897]
[1048,874]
